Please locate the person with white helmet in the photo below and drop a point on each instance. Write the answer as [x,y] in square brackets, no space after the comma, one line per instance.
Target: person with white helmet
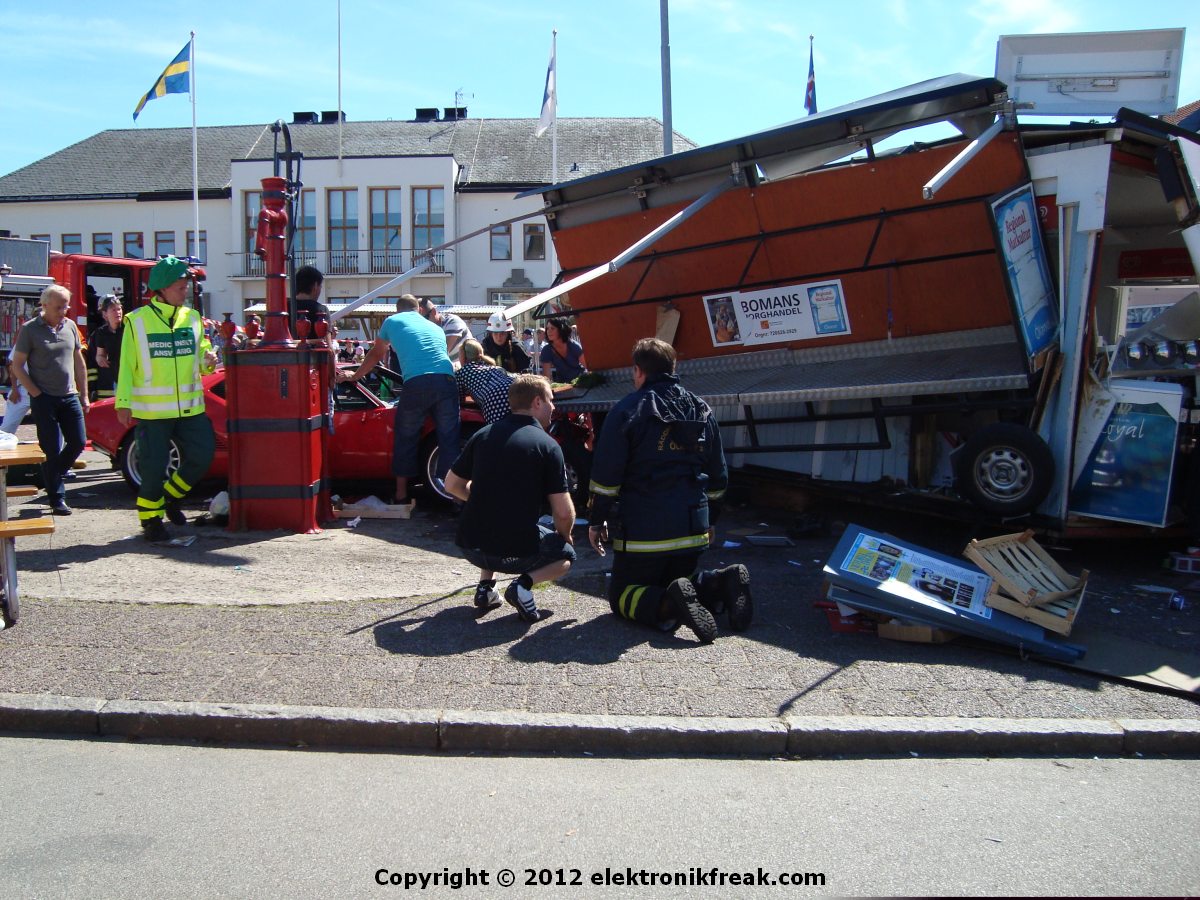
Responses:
[501,346]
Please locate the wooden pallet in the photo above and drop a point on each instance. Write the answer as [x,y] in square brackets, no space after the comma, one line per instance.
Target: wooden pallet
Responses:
[1027,582]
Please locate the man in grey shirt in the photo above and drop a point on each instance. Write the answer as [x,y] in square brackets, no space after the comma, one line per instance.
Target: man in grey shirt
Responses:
[456,329]
[47,360]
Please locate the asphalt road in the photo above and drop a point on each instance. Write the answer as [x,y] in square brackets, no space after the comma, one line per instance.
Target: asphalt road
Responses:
[112,819]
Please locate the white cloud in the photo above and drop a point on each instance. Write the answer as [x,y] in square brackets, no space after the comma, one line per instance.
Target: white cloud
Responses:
[1025,16]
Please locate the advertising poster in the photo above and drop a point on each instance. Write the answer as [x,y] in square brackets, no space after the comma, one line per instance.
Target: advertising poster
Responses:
[1125,453]
[1019,237]
[795,312]
[914,576]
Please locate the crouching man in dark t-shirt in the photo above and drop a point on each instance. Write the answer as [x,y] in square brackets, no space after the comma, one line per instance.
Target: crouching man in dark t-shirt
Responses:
[506,474]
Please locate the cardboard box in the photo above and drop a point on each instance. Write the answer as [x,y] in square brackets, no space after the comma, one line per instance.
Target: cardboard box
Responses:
[916,634]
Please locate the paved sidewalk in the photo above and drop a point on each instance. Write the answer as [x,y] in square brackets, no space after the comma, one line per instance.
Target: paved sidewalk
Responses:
[380,617]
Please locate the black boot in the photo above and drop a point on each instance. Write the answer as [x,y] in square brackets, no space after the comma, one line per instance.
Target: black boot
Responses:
[685,607]
[155,531]
[728,590]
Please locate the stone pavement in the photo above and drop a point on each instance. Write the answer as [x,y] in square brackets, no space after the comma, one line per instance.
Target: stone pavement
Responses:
[379,617]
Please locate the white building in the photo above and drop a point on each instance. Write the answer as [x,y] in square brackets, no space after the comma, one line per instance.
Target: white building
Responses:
[371,199]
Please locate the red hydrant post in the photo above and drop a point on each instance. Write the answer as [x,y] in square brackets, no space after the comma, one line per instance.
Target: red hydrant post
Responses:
[269,246]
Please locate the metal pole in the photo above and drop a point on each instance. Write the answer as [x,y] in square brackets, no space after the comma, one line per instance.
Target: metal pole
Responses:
[951,168]
[668,127]
[195,152]
[629,253]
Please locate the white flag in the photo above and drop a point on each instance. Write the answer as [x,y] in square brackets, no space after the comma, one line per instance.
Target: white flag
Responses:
[549,98]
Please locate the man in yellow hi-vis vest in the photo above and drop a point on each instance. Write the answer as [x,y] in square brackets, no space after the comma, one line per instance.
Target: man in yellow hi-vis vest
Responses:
[163,354]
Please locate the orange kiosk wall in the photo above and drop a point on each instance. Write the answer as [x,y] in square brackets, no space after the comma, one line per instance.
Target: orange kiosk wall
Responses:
[276,394]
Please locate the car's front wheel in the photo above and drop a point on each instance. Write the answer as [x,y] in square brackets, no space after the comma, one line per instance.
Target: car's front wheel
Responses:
[431,455]
[127,461]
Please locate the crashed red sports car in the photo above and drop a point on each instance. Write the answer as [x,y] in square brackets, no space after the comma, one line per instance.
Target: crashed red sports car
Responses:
[360,447]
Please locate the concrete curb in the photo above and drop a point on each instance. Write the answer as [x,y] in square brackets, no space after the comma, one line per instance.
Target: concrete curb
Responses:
[522,732]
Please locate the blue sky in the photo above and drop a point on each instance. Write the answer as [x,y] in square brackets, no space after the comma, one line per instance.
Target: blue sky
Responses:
[71,69]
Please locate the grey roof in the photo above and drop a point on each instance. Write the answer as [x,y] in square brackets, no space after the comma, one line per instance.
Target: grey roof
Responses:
[495,152]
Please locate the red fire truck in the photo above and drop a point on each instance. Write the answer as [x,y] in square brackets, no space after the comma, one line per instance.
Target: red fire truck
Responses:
[27,267]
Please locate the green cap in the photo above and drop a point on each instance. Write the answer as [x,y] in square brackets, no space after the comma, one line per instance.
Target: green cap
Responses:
[167,271]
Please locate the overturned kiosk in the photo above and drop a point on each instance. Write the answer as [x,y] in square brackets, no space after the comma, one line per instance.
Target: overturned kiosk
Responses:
[968,321]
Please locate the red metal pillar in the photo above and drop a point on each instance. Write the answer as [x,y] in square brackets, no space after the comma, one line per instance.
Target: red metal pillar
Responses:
[277,402]
[269,246]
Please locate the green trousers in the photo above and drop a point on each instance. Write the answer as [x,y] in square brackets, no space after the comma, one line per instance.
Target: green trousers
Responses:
[194,437]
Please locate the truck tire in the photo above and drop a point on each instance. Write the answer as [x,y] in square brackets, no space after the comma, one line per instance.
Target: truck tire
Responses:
[127,461]
[1005,469]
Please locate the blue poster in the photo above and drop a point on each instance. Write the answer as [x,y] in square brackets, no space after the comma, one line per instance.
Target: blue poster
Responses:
[1029,281]
[1126,446]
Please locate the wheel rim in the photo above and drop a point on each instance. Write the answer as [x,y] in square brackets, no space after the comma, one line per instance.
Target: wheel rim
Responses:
[431,479]
[1004,474]
[136,473]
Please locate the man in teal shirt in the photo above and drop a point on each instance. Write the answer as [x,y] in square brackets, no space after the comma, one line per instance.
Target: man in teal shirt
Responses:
[429,390]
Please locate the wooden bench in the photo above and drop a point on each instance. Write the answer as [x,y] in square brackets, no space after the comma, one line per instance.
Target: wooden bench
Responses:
[15,528]
[23,491]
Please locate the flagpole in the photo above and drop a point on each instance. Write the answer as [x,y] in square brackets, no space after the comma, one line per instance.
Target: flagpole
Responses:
[339,88]
[554,122]
[668,126]
[195,155]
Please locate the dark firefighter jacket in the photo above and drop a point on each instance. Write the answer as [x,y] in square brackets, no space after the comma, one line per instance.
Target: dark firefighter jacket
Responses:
[658,469]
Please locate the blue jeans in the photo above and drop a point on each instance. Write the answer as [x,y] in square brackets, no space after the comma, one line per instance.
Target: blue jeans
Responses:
[425,395]
[61,435]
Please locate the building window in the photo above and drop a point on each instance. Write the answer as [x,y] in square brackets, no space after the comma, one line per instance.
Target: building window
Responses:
[501,297]
[535,241]
[251,204]
[343,231]
[102,243]
[386,247]
[199,253]
[134,248]
[429,222]
[72,243]
[304,242]
[40,237]
[502,242]
[164,243]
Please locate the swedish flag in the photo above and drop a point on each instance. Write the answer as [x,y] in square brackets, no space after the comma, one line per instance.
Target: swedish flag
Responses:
[173,80]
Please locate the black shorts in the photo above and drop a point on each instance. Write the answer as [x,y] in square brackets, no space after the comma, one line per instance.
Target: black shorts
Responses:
[552,548]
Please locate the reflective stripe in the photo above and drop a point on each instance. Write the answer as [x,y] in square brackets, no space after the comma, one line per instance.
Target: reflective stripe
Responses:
[150,504]
[683,543]
[144,515]
[143,348]
[148,391]
[179,483]
[183,404]
[714,495]
[604,490]
[627,603]
[633,605]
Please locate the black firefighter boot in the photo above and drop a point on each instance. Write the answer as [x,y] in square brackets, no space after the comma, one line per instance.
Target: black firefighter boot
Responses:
[727,590]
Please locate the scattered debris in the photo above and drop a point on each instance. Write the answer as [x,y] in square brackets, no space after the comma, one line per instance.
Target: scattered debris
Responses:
[1027,582]
[182,541]
[770,540]
[880,574]
[374,508]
